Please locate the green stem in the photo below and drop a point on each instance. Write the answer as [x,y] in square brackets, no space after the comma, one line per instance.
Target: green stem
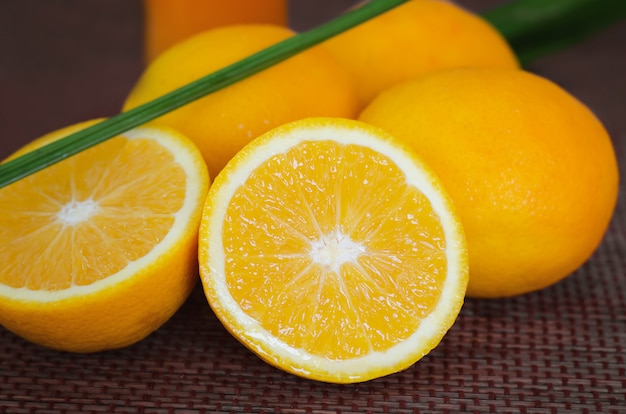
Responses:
[535,28]
[43,157]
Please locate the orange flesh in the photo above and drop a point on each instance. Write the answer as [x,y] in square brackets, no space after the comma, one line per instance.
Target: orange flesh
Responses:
[74,214]
[339,238]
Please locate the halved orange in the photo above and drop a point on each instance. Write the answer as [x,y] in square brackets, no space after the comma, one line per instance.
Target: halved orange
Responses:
[332,252]
[100,249]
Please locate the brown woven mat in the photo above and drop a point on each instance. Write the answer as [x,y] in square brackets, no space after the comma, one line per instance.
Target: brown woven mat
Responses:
[561,350]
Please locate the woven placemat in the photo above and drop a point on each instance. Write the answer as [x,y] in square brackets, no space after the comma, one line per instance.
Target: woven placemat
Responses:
[560,350]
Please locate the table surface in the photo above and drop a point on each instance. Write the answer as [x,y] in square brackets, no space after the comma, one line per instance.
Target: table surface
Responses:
[562,349]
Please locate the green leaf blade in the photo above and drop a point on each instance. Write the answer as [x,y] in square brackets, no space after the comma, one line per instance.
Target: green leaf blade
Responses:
[50,154]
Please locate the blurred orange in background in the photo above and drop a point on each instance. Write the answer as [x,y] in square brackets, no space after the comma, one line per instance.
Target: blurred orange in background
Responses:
[169,21]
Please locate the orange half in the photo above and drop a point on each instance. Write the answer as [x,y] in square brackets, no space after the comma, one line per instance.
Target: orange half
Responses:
[99,250]
[331,251]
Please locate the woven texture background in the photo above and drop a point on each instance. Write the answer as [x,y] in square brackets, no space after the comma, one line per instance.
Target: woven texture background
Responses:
[559,350]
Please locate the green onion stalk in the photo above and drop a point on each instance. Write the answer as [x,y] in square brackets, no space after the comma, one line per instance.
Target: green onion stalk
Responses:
[533,28]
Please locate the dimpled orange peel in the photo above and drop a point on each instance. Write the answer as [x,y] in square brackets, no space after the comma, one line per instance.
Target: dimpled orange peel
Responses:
[416,38]
[531,170]
[311,83]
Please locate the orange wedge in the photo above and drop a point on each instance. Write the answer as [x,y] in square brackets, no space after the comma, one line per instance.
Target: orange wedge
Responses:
[332,252]
[100,249]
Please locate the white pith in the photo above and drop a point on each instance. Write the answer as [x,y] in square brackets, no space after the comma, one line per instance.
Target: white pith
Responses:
[77,211]
[331,250]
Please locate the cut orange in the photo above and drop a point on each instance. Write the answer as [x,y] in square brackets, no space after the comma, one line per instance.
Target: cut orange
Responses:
[100,249]
[331,251]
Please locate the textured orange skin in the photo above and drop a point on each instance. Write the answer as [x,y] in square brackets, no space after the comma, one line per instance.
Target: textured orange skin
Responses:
[168,22]
[531,170]
[418,37]
[118,315]
[309,84]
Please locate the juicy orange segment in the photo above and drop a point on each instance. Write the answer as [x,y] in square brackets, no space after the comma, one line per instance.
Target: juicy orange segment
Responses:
[87,212]
[332,252]
[84,231]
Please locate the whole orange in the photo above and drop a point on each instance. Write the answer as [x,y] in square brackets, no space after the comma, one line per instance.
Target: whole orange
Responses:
[530,169]
[417,37]
[311,83]
[168,22]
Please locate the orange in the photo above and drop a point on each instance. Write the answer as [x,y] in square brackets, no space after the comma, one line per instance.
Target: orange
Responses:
[309,84]
[100,249]
[168,22]
[418,37]
[530,169]
[332,252]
